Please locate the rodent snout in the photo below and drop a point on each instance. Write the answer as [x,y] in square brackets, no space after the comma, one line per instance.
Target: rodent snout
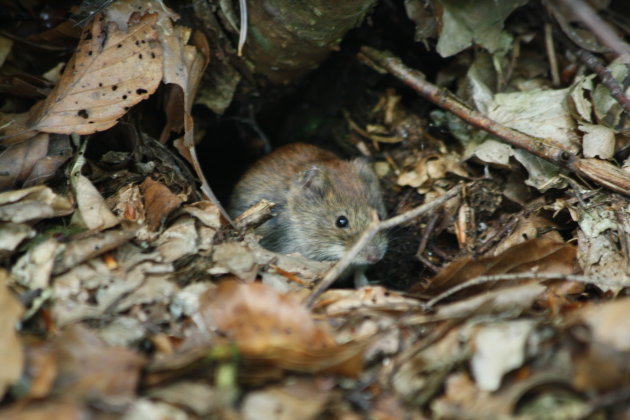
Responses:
[374,252]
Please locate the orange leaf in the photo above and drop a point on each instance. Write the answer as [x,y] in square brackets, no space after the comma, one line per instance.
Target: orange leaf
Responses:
[273,329]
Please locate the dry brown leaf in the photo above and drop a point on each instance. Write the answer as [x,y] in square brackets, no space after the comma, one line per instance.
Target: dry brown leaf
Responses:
[10,344]
[89,368]
[541,254]
[33,161]
[82,249]
[92,211]
[32,204]
[273,329]
[298,399]
[461,395]
[18,160]
[602,360]
[159,202]
[103,79]
[46,410]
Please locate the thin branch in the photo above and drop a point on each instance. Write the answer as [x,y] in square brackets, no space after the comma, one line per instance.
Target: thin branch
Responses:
[543,148]
[583,11]
[521,276]
[242,33]
[551,55]
[374,227]
[602,172]
[606,77]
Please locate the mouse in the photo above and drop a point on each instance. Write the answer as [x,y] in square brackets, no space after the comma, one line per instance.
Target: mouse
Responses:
[323,204]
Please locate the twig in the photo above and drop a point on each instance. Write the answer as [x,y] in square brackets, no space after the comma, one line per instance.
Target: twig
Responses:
[551,55]
[426,233]
[504,231]
[420,210]
[242,33]
[604,173]
[374,227]
[520,276]
[544,148]
[606,78]
[600,28]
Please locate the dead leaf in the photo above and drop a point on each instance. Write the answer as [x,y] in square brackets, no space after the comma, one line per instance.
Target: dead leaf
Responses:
[85,248]
[33,269]
[92,211]
[18,160]
[598,141]
[159,202]
[90,369]
[539,254]
[198,397]
[273,329]
[601,360]
[66,410]
[491,361]
[32,204]
[10,343]
[299,399]
[101,82]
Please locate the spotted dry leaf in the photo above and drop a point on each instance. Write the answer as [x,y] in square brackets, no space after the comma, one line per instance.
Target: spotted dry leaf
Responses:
[111,71]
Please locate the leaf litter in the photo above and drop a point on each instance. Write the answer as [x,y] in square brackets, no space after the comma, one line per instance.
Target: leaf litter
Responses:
[126,292]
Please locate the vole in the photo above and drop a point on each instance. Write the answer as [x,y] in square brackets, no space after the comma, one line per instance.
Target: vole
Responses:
[323,203]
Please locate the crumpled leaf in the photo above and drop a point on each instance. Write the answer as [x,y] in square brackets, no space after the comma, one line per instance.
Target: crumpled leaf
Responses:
[273,329]
[429,167]
[18,160]
[32,204]
[424,371]
[90,289]
[159,202]
[598,141]
[101,81]
[491,361]
[540,113]
[12,234]
[296,400]
[79,250]
[10,343]
[92,212]
[542,254]
[200,398]
[33,269]
[580,96]
[608,111]
[468,22]
[598,251]
[602,358]
[90,369]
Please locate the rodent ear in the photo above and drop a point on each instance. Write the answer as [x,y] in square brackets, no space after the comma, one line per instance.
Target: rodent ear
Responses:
[312,182]
[368,176]
[365,171]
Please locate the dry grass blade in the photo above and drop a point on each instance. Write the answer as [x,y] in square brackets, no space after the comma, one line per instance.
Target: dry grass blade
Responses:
[111,71]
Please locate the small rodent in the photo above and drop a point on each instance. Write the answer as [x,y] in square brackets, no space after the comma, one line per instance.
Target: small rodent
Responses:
[323,203]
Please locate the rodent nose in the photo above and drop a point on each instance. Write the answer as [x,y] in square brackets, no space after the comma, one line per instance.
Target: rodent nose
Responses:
[373,256]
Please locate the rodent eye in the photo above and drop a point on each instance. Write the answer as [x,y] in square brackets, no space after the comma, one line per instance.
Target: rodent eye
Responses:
[342,222]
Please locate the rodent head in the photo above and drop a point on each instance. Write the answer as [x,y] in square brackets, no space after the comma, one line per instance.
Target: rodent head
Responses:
[330,206]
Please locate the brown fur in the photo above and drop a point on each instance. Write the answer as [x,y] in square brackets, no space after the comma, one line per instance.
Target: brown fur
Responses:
[312,188]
